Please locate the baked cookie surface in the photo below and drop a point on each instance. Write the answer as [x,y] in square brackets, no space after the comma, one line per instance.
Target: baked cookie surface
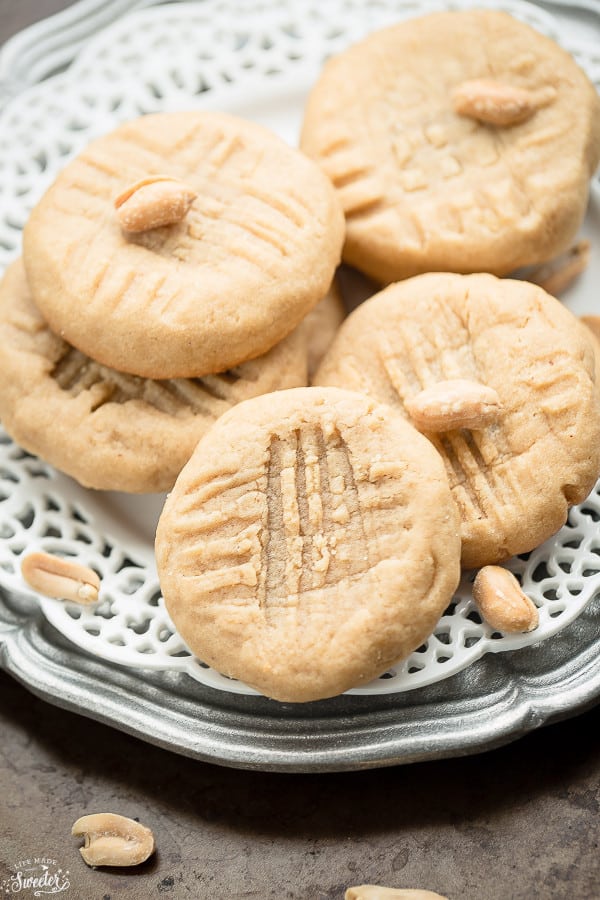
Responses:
[515,477]
[322,324]
[427,187]
[110,430]
[255,252]
[293,552]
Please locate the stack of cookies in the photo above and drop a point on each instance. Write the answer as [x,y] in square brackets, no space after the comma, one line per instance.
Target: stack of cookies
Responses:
[166,276]
[317,534]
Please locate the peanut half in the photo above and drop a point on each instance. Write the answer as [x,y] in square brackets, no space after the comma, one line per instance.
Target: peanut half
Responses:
[55,576]
[457,403]
[113,840]
[375,892]
[559,274]
[502,603]
[498,103]
[152,202]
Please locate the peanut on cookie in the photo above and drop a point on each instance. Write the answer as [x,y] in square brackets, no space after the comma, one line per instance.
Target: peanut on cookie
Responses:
[502,379]
[222,240]
[460,141]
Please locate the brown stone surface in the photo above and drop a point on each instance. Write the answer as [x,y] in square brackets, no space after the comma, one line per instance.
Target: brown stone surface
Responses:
[519,822]
[18,14]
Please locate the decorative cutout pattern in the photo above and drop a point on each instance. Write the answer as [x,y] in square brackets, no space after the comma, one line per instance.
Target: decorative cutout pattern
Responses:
[182,56]
[41,509]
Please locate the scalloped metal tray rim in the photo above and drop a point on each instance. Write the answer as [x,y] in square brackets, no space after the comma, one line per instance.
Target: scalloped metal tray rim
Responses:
[344,733]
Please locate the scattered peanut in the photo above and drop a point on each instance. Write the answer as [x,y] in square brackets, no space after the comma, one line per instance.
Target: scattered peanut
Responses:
[558,274]
[55,576]
[498,103]
[502,603]
[152,202]
[113,840]
[457,403]
[375,892]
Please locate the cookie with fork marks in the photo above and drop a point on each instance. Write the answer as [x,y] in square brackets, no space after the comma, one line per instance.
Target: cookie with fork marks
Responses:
[459,141]
[251,238]
[108,429]
[502,379]
[310,543]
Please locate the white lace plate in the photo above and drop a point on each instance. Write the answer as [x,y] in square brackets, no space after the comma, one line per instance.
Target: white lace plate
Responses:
[256,59]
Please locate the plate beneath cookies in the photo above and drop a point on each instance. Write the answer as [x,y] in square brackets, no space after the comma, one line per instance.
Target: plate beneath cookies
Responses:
[123,663]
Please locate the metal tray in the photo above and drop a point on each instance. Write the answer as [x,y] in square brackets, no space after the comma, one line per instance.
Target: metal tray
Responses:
[495,700]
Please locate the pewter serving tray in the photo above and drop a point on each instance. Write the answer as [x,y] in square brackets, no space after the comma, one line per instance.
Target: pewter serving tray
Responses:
[466,689]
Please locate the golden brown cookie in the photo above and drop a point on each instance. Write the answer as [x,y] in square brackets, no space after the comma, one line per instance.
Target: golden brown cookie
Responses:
[511,373]
[107,429]
[591,330]
[322,324]
[460,141]
[254,253]
[310,542]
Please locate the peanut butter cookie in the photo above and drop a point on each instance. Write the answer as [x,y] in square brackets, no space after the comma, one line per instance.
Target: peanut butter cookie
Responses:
[222,241]
[501,378]
[322,324]
[107,429]
[460,141]
[310,542]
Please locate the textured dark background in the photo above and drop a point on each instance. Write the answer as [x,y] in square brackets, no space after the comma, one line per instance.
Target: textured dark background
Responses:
[519,822]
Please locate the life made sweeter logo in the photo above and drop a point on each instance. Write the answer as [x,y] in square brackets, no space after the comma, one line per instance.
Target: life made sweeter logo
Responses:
[36,877]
